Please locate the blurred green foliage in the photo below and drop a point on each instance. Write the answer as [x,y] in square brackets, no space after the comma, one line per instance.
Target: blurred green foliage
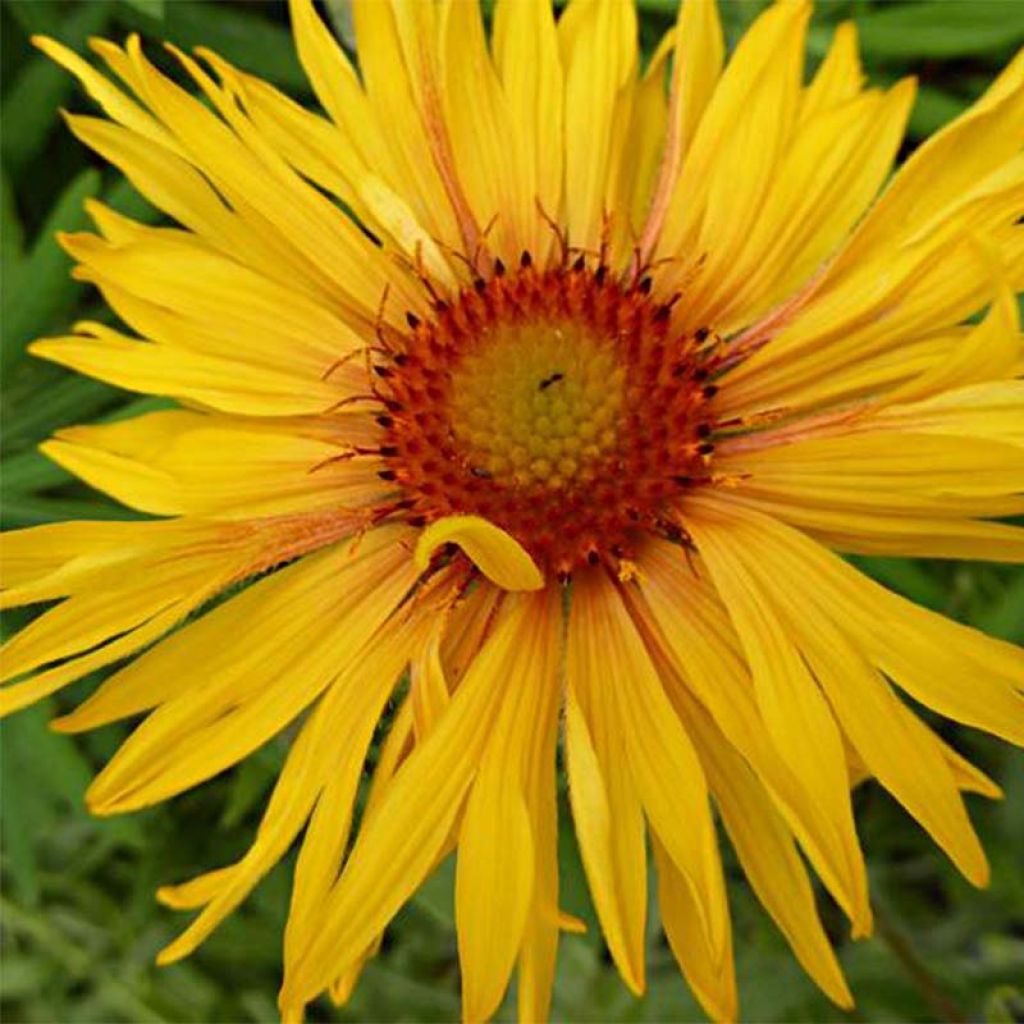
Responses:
[80,926]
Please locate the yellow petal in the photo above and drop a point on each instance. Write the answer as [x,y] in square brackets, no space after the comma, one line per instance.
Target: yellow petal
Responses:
[263,686]
[926,654]
[114,102]
[392,92]
[599,55]
[839,77]
[539,949]
[252,177]
[525,47]
[493,886]
[926,286]
[400,842]
[317,766]
[989,352]
[709,974]
[496,872]
[897,750]
[830,173]
[428,689]
[766,850]
[795,713]
[699,51]
[115,613]
[941,170]
[178,462]
[495,553]
[757,96]
[661,760]
[487,153]
[694,632]
[610,828]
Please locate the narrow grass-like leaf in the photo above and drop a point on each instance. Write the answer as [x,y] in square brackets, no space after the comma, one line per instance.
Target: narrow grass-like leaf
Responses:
[31,101]
[28,510]
[237,33]
[941,28]
[933,109]
[41,290]
[151,8]
[906,577]
[28,472]
[70,399]
[12,237]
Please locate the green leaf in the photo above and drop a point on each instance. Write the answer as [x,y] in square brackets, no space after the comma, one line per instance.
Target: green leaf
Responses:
[70,399]
[42,291]
[252,779]
[908,578]
[1004,617]
[22,815]
[30,471]
[941,28]
[339,12]
[12,238]
[31,101]
[30,510]
[933,109]
[150,8]
[123,197]
[238,34]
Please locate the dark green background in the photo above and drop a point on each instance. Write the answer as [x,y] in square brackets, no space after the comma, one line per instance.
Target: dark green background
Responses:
[79,923]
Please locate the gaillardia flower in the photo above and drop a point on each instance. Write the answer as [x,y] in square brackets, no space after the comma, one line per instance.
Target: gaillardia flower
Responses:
[542,395]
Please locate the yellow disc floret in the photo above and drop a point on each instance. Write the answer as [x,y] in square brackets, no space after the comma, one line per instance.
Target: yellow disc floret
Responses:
[538,403]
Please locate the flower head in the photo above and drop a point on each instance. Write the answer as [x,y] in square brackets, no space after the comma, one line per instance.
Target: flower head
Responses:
[557,389]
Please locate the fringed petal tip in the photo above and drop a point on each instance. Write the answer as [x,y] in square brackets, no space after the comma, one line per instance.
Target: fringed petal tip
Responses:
[494,552]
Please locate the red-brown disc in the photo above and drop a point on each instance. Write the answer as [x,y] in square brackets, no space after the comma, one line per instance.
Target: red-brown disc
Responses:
[559,404]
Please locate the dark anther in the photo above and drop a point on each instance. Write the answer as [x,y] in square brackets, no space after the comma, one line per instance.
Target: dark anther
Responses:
[417,520]
[645,286]
[388,451]
[618,551]
[399,359]
[412,320]
[672,532]
[526,259]
[385,422]
[499,268]
[662,313]
[702,333]
[701,373]
[481,472]
[392,406]
[387,474]
[703,430]
[710,390]
[382,371]
[633,514]
[600,274]
[679,369]
[683,481]
[480,284]
[593,557]
[405,503]
[580,264]
[548,381]
[706,448]
[440,306]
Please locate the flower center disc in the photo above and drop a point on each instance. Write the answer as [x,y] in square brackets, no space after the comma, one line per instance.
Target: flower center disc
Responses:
[557,404]
[538,403]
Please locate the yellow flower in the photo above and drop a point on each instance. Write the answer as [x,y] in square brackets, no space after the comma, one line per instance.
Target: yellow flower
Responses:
[557,387]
